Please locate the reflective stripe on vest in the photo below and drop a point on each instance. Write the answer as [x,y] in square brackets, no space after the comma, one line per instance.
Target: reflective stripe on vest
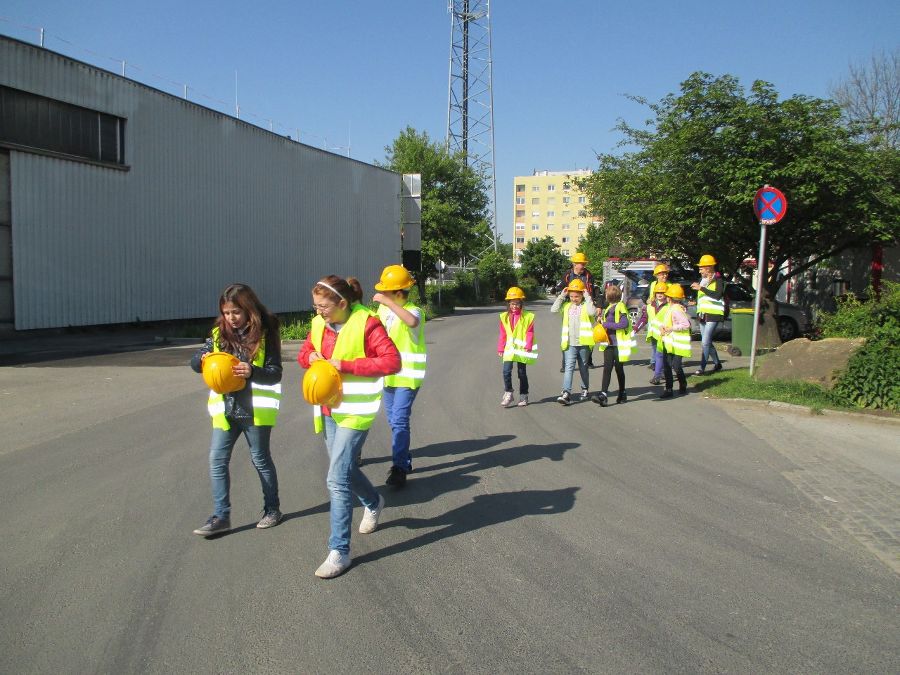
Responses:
[514,350]
[677,342]
[265,398]
[708,305]
[362,395]
[625,342]
[653,324]
[585,327]
[412,353]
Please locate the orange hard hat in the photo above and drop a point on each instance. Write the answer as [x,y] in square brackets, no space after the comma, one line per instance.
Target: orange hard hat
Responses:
[600,334]
[515,293]
[662,267]
[660,287]
[706,261]
[675,291]
[579,257]
[576,285]
[395,278]
[322,384]
[218,374]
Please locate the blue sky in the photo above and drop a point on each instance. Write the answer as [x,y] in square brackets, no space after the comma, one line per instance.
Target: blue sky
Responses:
[366,70]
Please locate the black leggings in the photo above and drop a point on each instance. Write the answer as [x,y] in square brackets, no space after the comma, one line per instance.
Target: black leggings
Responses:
[610,360]
[673,362]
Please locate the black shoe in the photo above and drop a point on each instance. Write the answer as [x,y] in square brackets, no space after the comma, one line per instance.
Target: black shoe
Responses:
[655,380]
[622,398]
[600,399]
[667,393]
[682,391]
[396,477]
[717,368]
[564,398]
[214,525]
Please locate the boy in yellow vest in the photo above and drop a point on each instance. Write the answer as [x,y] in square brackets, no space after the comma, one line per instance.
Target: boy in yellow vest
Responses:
[516,345]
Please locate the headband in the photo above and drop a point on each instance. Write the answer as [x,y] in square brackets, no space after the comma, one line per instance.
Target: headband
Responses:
[331,288]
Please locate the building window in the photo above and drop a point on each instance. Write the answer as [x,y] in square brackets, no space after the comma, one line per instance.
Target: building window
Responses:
[550,214]
[520,226]
[520,187]
[520,240]
[565,240]
[582,200]
[567,185]
[566,213]
[582,226]
[535,240]
[566,200]
[40,123]
[551,200]
[551,188]
[535,227]
[580,238]
[565,252]
[566,226]
[520,201]
[520,213]
[535,188]
[535,200]
[549,227]
[535,214]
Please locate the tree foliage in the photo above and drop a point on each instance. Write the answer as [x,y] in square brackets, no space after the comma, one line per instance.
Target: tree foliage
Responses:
[870,97]
[597,246]
[454,198]
[687,188]
[543,261]
[495,273]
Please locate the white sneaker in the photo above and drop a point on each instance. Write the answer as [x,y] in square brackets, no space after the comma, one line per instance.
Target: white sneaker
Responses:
[523,401]
[507,399]
[584,394]
[335,564]
[370,517]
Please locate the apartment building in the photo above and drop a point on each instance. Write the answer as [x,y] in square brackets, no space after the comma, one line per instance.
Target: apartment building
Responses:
[549,203]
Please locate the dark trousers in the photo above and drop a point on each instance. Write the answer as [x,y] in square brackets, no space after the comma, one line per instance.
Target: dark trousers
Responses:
[610,361]
[673,362]
[523,377]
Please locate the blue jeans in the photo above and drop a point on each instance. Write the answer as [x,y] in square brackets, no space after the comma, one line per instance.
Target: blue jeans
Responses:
[345,479]
[709,349]
[521,371]
[576,354]
[398,403]
[220,456]
[656,357]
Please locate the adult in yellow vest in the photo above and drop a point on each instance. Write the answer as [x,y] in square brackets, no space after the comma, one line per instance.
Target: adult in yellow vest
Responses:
[710,310]
[405,325]
[515,344]
[247,330]
[577,310]
[617,322]
[355,342]
[675,328]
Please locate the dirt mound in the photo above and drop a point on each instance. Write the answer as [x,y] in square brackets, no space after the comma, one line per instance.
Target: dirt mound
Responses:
[819,362]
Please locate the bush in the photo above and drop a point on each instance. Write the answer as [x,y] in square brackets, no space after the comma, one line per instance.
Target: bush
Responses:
[295,326]
[533,290]
[870,318]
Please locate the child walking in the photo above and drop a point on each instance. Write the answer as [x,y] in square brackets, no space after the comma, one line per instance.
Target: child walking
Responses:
[617,322]
[657,302]
[515,344]
[247,330]
[355,342]
[405,326]
[577,310]
[675,328]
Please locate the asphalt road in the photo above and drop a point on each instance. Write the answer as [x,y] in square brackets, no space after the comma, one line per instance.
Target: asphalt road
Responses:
[656,536]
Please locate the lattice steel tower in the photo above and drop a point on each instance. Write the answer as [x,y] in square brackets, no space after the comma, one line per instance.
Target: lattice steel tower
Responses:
[470,110]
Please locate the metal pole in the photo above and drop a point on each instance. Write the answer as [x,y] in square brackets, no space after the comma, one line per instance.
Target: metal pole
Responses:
[493,165]
[760,287]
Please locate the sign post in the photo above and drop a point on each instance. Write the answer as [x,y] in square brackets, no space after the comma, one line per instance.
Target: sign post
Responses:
[769,205]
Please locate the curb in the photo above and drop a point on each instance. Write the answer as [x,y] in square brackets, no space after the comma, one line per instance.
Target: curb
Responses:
[869,416]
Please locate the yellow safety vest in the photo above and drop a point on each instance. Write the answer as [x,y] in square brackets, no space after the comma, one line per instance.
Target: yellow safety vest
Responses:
[585,327]
[653,322]
[266,398]
[362,395]
[514,350]
[625,341]
[708,305]
[412,352]
[677,342]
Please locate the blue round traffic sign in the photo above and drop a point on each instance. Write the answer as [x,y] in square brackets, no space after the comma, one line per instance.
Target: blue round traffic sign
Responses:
[769,205]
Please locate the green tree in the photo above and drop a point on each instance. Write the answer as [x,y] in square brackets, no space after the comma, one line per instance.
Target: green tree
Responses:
[454,199]
[596,245]
[687,188]
[495,273]
[543,261]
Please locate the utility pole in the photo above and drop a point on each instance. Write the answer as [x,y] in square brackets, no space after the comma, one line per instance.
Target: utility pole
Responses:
[470,109]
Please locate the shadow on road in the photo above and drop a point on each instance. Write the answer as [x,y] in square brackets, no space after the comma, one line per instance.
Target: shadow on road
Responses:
[483,511]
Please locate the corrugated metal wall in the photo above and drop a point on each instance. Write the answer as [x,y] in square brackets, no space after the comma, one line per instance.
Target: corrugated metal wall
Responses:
[208,200]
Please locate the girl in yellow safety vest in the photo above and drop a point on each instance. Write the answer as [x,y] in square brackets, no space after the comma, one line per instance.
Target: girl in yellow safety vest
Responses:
[354,341]
[248,331]
[577,340]
[617,322]
[675,329]
[515,344]
[405,325]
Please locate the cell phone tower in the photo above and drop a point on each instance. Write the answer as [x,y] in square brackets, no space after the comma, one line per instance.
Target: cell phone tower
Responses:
[470,110]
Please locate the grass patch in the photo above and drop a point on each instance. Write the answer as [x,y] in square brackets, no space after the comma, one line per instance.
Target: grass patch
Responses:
[738,384]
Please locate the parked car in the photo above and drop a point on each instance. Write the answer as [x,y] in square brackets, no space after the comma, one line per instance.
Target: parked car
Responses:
[793,321]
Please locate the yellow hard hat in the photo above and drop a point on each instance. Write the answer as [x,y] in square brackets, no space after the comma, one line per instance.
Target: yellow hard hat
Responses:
[322,384]
[579,258]
[395,278]
[600,334]
[218,375]
[576,285]
[661,287]
[675,291]
[515,293]
[706,261]
[662,267]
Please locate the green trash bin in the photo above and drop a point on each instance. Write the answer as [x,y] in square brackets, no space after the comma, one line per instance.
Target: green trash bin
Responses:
[742,330]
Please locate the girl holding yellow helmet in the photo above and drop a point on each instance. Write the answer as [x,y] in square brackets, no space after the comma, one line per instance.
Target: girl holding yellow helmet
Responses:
[516,345]
[675,329]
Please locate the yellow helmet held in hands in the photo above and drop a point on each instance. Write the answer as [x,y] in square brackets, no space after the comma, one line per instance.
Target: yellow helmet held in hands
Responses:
[706,261]
[662,267]
[322,384]
[600,334]
[575,285]
[515,293]
[579,257]
[395,278]
[218,374]
[675,291]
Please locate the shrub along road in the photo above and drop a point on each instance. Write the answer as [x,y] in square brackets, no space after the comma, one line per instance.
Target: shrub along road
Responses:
[681,535]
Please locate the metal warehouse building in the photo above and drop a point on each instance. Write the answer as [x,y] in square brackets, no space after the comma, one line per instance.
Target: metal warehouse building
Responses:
[119,202]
